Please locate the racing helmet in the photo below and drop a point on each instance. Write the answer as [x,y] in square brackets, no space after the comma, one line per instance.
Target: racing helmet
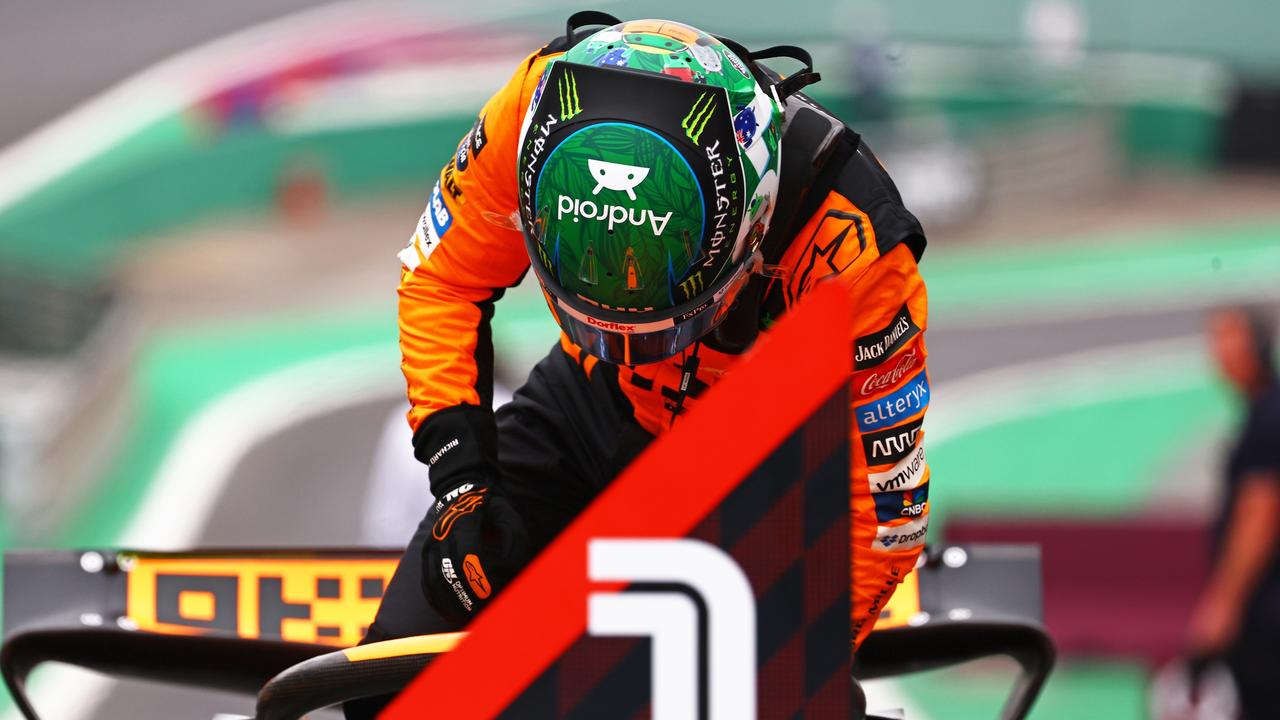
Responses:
[647,176]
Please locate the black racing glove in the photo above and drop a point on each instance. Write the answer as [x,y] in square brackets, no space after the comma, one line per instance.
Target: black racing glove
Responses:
[477,545]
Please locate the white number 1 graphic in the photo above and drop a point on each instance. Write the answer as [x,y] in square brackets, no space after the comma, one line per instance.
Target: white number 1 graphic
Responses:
[671,620]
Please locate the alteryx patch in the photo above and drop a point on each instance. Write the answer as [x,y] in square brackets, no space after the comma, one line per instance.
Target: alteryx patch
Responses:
[435,221]
[441,218]
[911,399]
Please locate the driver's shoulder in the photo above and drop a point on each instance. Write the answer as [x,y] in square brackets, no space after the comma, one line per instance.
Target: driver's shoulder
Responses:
[865,184]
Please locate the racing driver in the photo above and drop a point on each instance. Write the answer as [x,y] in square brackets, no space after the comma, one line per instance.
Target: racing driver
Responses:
[673,197]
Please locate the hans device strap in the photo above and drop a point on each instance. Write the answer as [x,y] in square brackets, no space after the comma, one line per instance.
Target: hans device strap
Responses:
[769,79]
[587,18]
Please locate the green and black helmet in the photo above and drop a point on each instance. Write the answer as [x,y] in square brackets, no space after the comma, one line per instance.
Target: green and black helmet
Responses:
[648,172]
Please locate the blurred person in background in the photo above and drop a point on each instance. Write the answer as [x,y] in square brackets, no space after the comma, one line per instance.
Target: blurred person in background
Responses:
[1238,616]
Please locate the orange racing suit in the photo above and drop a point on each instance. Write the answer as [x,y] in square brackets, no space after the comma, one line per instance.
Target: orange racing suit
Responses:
[466,249]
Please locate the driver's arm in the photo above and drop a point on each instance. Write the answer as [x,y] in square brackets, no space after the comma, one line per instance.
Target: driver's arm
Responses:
[889,395]
[463,253]
[863,232]
[1251,540]
[1253,534]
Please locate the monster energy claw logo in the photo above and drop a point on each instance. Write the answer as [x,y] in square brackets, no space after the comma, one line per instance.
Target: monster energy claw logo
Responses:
[692,286]
[567,86]
[696,121]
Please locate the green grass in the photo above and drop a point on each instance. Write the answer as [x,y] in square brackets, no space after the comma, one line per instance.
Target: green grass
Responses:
[1103,270]
[1095,690]
[1100,459]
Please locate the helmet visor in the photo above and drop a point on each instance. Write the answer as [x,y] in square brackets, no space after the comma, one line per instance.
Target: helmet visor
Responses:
[625,341]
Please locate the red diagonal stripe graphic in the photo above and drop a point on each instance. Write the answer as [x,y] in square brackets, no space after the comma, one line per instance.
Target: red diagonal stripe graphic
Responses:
[783,526]
[664,493]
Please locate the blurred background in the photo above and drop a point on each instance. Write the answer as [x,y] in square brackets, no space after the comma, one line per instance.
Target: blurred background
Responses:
[201,204]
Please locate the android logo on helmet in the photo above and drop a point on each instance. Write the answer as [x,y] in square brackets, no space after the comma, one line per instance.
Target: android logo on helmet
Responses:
[616,176]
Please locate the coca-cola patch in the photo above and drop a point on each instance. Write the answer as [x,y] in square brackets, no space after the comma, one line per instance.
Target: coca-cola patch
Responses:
[888,375]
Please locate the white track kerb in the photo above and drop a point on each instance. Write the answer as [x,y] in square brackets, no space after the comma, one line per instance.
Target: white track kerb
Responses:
[1043,387]
[211,445]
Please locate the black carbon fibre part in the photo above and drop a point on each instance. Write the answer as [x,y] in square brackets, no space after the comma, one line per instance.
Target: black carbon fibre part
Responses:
[938,644]
[332,679]
[210,661]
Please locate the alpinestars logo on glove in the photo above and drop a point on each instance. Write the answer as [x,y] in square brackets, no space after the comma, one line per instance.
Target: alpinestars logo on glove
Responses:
[476,577]
[462,506]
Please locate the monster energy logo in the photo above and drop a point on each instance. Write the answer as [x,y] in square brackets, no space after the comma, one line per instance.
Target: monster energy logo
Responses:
[692,286]
[696,121]
[567,86]
[542,255]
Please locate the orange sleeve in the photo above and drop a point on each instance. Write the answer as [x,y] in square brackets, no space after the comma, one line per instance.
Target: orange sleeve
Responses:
[889,396]
[465,250]
[871,244]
